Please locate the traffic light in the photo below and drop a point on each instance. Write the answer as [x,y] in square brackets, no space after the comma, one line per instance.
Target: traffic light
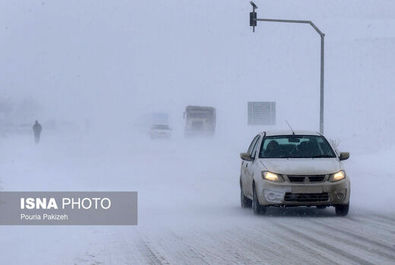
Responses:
[253,16]
[253,19]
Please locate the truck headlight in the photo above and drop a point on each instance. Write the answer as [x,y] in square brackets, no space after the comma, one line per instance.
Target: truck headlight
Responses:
[337,176]
[271,176]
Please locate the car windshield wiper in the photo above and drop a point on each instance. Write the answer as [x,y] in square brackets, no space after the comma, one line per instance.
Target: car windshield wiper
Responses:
[322,156]
[270,157]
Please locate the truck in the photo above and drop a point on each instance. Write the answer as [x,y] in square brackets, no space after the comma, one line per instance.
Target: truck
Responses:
[199,120]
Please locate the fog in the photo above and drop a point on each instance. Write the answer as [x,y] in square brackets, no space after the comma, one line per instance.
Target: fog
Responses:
[93,71]
[112,62]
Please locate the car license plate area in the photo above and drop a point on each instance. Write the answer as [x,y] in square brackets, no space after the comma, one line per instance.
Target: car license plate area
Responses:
[306,189]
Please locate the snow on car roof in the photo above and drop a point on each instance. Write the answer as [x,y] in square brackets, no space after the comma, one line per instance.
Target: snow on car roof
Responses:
[289,132]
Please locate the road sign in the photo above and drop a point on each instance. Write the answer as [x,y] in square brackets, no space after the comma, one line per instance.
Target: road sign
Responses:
[261,113]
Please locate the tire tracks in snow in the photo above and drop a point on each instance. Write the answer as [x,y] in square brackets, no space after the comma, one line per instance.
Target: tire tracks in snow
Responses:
[191,250]
[150,252]
[373,223]
[260,240]
[337,251]
[383,218]
[300,253]
[377,244]
[349,241]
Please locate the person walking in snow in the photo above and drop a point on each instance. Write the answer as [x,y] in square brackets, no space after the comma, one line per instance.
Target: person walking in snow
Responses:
[37,132]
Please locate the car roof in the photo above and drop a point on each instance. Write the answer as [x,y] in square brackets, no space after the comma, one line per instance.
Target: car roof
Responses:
[289,132]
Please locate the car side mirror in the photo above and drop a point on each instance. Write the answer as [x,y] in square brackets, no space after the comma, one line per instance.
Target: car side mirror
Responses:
[344,156]
[246,157]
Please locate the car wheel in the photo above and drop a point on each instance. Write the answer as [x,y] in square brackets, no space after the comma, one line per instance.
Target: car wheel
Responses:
[342,210]
[256,207]
[244,201]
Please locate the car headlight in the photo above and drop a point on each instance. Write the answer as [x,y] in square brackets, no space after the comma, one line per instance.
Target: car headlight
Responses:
[271,176]
[337,176]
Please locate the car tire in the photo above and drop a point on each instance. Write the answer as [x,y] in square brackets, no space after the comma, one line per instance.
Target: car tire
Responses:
[244,201]
[342,209]
[256,207]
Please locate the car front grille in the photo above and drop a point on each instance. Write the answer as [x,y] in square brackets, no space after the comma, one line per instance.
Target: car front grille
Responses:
[306,197]
[310,178]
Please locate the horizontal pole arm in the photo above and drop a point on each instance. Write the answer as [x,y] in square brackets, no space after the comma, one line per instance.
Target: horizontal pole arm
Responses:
[293,21]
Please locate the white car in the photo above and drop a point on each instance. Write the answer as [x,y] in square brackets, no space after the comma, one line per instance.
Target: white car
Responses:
[289,168]
[160,131]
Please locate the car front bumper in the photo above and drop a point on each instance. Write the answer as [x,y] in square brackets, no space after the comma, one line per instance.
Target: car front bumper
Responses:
[287,194]
[160,135]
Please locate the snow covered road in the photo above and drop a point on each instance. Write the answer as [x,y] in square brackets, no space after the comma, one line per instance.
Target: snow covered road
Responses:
[189,209]
[294,237]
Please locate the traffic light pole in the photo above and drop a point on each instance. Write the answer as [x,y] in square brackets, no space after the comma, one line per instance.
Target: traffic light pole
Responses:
[253,23]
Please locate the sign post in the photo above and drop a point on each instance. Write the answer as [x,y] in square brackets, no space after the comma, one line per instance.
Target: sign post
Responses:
[253,24]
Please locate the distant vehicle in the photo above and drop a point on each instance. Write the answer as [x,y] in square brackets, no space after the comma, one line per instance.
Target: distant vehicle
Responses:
[160,131]
[293,169]
[199,120]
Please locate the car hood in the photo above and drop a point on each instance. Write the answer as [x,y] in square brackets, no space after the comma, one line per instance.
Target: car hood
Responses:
[301,166]
[160,130]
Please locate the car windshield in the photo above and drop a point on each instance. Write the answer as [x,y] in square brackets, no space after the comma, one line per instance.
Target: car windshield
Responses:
[160,127]
[296,146]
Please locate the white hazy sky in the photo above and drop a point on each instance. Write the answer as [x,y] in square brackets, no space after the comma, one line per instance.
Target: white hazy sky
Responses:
[116,59]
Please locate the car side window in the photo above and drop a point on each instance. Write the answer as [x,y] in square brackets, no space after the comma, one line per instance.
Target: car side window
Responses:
[252,145]
[253,153]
